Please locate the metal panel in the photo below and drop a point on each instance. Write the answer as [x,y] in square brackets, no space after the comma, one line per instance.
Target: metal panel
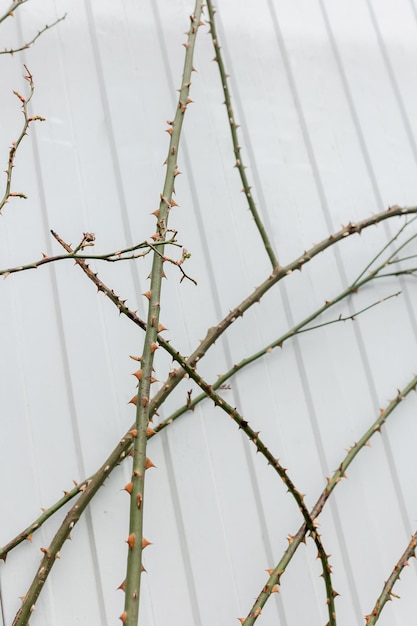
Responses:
[325,93]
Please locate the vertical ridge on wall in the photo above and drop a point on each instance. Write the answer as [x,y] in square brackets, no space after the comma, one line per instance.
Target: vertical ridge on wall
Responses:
[326,94]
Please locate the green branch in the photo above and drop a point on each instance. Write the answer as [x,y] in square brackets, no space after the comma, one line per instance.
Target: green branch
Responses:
[88,489]
[233,130]
[278,571]
[387,593]
[9,13]
[175,378]
[130,614]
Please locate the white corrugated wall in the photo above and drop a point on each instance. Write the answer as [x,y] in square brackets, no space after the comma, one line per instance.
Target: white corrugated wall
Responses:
[326,95]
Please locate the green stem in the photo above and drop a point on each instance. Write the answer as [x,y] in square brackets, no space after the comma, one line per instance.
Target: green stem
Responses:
[236,148]
[130,614]
[88,489]
[300,327]
[277,572]
[380,253]
[169,385]
[111,257]
[27,45]
[387,593]
[14,5]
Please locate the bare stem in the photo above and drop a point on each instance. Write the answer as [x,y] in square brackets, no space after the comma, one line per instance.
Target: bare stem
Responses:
[387,593]
[176,376]
[135,542]
[15,144]
[9,13]
[278,571]
[236,147]
[110,257]
[27,45]
[89,489]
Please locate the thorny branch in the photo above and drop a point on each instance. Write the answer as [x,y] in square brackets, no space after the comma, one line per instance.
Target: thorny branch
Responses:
[27,45]
[233,130]
[15,145]
[277,572]
[387,592]
[145,410]
[9,13]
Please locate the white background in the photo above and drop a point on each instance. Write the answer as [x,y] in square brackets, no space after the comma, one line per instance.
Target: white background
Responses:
[326,95]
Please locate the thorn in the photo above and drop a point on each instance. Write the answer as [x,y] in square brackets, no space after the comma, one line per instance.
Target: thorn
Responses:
[145,543]
[131,540]
[46,552]
[122,585]
[149,463]
[123,617]
[128,488]
[147,294]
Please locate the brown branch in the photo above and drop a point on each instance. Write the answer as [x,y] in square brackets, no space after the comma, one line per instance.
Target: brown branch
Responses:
[15,144]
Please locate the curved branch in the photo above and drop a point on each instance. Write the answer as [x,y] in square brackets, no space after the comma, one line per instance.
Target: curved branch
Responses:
[278,571]
[9,13]
[32,41]
[15,144]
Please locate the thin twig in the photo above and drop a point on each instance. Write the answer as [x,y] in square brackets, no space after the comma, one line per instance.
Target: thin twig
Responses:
[385,247]
[111,257]
[15,144]
[9,13]
[32,41]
